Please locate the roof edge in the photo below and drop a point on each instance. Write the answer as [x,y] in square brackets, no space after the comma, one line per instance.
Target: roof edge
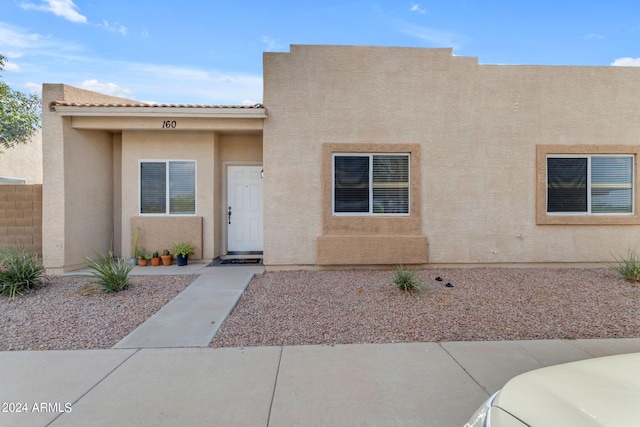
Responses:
[65,108]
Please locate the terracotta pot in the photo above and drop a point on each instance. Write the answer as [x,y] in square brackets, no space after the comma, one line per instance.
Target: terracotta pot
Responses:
[142,262]
[166,259]
[155,261]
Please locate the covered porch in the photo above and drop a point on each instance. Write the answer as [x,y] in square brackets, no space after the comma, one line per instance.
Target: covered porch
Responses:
[104,156]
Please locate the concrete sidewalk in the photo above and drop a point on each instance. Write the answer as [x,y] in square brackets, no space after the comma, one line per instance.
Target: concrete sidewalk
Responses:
[426,384]
[153,378]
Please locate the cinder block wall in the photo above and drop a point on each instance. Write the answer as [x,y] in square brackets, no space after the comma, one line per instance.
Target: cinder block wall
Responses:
[21,216]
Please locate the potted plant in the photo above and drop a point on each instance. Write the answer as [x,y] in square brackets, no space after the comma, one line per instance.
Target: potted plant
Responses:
[134,249]
[166,257]
[182,251]
[155,259]
[142,258]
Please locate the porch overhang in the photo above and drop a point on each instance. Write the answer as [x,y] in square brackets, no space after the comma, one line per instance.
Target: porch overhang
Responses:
[118,117]
[153,110]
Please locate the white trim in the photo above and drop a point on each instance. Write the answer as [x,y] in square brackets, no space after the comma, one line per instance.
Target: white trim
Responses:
[225,199]
[167,197]
[370,155]
[588,157]
[151,111]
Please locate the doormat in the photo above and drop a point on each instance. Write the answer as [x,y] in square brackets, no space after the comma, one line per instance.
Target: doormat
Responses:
[236,261]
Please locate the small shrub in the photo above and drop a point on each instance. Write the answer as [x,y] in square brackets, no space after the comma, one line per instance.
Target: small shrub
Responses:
[110,274]
[20,271]
[406,280]
[628,267]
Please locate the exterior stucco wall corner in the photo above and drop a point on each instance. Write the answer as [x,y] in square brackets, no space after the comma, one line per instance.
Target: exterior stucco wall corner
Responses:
[53,225]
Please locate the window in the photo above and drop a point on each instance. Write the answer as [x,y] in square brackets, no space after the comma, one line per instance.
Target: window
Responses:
[590,184]
[371,184]
[168,187]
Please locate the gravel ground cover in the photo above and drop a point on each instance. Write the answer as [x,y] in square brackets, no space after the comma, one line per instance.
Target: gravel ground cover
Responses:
[332,307]
[70,314]
[341,307]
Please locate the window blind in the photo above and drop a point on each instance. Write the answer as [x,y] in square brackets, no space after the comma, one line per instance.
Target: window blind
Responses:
[592,184]
[371,184]
[182,187]
[390,184]
[153,187]
[611,184]
[351,184]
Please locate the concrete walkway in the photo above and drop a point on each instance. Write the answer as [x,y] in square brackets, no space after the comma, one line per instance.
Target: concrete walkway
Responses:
[139,384]
[193,317]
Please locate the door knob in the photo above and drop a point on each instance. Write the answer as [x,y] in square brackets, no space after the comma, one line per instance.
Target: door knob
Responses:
[229,213]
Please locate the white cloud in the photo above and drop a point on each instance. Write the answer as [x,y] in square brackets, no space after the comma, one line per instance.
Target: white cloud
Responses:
[63,8]
[415,7]
[593,36]
[13,37]
[32,48]
[431,35]
[153,81]
[270,43]
[115,27]
[11,54]
[105,88]
[11,67]
[33,87]
[626,62]
[50,60]
[169,72]
[196,85]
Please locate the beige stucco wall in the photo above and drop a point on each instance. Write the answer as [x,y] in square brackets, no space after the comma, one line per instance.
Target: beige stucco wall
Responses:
[23,161]
[78,184]
[212,152]
[477,127]
[91,165]
[150,145]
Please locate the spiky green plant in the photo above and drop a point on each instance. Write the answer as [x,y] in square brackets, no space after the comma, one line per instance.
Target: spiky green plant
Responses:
[628,267]
[406,281]
[20,271]
[112,275]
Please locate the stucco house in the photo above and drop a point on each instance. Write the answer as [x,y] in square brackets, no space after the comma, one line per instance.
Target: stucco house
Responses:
[22,164]
[359,156]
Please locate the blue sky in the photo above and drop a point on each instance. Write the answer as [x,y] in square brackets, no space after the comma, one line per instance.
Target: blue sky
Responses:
[210,51]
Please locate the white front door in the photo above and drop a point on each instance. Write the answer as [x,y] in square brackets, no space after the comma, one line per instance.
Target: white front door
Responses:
[244,209]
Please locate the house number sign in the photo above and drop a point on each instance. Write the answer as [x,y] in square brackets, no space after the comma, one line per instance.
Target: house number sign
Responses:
[169,124]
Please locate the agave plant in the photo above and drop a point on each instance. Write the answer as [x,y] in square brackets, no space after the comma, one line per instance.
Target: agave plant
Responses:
[112,275]
[20,271]
[406,280]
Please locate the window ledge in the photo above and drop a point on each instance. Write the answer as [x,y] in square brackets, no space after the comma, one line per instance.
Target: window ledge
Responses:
[544,219]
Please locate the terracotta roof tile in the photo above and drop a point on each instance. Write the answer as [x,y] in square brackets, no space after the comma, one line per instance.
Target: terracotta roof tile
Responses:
[81,104]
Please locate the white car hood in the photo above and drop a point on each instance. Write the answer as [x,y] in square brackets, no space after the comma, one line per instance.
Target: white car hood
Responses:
[596,392]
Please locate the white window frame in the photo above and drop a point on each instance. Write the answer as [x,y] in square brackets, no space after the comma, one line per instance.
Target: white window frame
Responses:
[167,211]
[589,207]
[371,185]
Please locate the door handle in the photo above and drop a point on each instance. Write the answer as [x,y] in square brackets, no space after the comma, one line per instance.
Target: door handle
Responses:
[229,213]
